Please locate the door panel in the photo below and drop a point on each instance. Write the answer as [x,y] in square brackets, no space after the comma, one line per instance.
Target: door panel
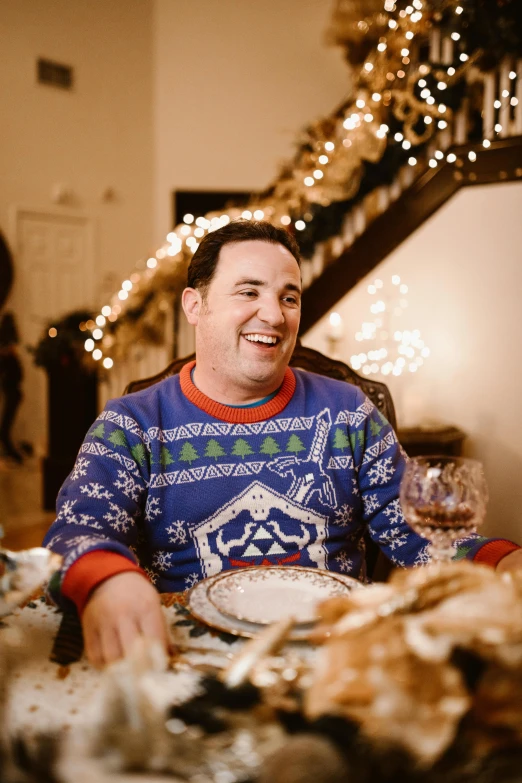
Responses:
[53,276]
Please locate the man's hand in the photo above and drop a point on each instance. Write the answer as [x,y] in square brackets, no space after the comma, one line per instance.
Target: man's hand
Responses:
[121,609]
[511,562]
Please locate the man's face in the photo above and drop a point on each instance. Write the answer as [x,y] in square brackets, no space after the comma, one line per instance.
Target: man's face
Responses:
[246,326]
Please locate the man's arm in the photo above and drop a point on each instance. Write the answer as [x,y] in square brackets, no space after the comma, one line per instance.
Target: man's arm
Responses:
[99,508]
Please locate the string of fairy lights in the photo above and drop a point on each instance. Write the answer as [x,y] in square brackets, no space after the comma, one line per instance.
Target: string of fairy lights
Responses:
[392,79]
[388,349]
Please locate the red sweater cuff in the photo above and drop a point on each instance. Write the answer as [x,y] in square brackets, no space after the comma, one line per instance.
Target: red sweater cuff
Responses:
[492,553]
[90,570]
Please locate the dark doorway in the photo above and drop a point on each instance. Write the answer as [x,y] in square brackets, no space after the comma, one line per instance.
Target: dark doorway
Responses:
[200,202]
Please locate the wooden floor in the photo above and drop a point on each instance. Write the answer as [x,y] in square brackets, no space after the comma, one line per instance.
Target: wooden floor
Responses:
[23,521]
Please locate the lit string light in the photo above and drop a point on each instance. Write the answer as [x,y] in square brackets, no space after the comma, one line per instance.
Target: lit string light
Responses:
[396,46]
[387,347]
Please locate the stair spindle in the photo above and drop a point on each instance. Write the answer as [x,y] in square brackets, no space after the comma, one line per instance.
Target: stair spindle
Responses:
[518,95]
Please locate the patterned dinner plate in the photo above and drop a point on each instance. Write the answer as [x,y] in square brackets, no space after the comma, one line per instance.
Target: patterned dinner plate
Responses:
[203,609]
[265,595]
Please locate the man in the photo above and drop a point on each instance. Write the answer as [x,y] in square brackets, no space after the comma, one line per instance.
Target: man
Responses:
[237,461]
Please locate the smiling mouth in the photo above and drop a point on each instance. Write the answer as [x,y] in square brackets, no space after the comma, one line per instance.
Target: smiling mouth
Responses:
[262,340]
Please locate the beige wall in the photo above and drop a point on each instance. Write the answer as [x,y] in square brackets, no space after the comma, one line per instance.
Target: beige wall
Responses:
[464,272]
[96,137]
[234,83]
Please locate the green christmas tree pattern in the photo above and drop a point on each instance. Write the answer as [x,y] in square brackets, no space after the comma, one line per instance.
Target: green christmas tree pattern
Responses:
[99,431]
[295,444]
[341,440]
[214,449]
[139,453]
[188,453]
[269,446]
[357,437]
[117,438]
[241,448]
[166,457]
[375,427]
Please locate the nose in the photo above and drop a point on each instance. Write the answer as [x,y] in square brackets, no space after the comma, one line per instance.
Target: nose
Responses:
[270,311]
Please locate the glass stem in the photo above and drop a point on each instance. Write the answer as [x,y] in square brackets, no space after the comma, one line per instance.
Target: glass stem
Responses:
[441,554]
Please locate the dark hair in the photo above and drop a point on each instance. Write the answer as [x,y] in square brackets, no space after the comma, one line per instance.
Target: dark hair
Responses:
[204,261]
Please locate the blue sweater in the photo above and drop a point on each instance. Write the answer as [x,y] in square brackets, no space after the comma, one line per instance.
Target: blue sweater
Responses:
[164,480]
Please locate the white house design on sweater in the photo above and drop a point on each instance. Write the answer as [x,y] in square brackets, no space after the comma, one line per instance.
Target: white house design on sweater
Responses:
[262,533]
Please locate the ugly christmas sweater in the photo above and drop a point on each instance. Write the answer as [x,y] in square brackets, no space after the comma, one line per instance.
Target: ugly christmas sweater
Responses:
[190,487]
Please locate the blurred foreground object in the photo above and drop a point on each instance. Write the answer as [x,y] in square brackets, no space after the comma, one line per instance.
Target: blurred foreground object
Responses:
[435,654]
[23,573]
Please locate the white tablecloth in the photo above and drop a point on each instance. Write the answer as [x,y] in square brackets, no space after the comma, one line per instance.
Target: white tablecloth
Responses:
[46,697]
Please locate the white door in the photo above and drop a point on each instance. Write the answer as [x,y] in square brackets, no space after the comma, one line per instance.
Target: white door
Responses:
[53,276]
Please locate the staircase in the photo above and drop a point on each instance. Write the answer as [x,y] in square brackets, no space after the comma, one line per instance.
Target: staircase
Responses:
[459,156]
[376,238]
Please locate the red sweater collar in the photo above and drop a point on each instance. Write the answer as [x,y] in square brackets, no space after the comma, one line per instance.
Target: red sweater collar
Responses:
[237,415]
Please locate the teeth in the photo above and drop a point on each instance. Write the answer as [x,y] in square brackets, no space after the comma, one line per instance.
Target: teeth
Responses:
[261,338]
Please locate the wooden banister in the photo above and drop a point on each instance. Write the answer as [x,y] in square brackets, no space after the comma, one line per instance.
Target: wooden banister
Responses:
[501,162]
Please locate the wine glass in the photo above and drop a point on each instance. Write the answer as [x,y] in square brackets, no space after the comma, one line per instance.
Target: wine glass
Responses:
[443,499]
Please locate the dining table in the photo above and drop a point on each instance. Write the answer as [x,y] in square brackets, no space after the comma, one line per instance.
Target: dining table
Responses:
[429,664]
[54,691]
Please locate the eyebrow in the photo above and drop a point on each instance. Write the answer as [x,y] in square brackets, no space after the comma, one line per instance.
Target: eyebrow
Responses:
[250,281]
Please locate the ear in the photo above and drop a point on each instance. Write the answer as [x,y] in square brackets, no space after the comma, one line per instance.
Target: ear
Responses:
[191,302]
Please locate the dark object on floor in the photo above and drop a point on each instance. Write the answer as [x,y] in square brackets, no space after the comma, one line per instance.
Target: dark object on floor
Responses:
[6,270]
[11,376]
[72,406]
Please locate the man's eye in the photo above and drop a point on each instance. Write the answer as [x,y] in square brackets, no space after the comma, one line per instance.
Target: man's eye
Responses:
[291,300]
[248,293]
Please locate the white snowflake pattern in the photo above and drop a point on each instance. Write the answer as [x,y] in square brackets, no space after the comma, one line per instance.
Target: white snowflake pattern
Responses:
[54,540]
[80,468]
[128,486]
[393,538]
[423,556]
[190,581]
[153,576]
[381,472]
[69,516]
[355,488]
[118,518]
[81,540]
[161,560]
[95,490]
[82,544]
[345,563]
[371,504]
[397,562]
[178,532]
[394,512]
[344,515]
[152,509]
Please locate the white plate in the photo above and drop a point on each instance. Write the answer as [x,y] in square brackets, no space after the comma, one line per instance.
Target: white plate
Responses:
[265,595]
[204,610]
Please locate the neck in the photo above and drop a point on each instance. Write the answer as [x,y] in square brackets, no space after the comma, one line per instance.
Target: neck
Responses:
[222,391]
[237,415]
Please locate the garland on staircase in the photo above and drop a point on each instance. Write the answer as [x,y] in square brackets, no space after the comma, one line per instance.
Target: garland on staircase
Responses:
[413,64]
